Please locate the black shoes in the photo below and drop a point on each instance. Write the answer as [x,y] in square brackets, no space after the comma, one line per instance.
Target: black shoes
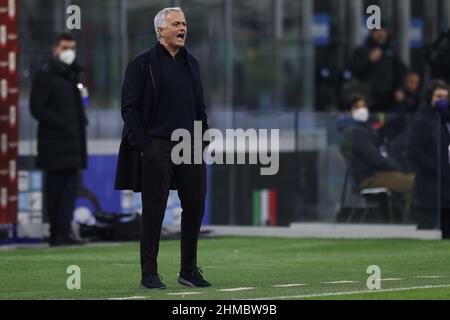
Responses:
[68,240]
[193,279]
[153,282]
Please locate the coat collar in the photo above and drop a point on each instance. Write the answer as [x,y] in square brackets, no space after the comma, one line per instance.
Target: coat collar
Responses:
[155,52]
[155,66]
[428,111]
[161,50]
[61,68]
[56,67]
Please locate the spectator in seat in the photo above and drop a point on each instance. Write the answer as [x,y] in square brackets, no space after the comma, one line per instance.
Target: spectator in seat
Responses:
[368,162]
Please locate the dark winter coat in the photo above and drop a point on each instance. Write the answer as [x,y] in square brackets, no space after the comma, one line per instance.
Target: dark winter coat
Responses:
[55,102]
[410,104]
[139,104]
[428,149]
[359,146]
[383,77]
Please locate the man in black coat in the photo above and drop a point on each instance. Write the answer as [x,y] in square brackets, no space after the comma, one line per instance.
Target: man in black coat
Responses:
[429,149]
[56,104]
[377,65]
[162,92]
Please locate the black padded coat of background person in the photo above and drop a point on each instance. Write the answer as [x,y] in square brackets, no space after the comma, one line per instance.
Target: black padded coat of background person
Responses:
[383,72]
[428,149]
[56,104]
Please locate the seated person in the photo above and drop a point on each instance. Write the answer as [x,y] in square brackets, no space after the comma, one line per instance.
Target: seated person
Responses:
[369,164]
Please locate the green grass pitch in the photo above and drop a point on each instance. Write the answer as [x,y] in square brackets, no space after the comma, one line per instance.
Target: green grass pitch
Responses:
[312,269]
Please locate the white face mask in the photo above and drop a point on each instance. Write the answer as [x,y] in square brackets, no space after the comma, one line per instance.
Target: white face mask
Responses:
[67,56]
[361,115]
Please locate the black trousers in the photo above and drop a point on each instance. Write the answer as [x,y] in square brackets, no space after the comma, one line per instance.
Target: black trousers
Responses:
[158,173]
[61,189]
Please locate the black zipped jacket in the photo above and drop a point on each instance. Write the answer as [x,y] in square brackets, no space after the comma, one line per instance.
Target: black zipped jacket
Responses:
[139,105]
[55,102]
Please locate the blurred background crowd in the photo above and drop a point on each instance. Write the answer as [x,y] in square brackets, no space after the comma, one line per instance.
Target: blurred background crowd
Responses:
[304,67]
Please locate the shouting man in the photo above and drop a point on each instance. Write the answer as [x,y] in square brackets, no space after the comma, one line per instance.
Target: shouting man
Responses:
[162,92]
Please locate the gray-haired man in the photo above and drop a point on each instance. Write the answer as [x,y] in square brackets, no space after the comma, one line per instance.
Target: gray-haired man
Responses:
[162,92]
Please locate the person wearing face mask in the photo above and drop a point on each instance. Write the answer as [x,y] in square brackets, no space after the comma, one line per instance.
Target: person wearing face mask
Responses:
[429,149]
[369,164]
[56,102]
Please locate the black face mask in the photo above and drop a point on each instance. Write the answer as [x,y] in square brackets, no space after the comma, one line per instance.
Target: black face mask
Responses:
[442,106]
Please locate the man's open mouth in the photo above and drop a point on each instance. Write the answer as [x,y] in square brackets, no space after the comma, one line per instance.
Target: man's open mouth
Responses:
[181,36]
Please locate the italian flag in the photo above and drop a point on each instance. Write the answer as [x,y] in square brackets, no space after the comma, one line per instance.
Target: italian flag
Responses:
[265,207]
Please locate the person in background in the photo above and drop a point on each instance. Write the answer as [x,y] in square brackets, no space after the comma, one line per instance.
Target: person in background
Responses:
[377,65]
[56,103]
[429,150]
[408,97]
[407,101]
[369,164]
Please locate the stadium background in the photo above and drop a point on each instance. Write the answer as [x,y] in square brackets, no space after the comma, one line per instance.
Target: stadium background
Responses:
[265,64]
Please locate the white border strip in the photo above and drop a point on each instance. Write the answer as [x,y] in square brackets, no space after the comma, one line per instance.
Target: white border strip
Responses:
[330,231]
[346,293]
[184,293]
[289,285]
[129,298]
[236,289]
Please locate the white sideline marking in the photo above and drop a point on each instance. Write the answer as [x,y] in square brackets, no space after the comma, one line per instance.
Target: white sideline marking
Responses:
[392,279]
[289,285]
[340,282]
[430,277]
[184,293]
[345,293]
[236,289]
[128,298]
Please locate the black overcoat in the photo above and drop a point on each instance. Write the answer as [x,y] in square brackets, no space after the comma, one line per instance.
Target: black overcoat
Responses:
[139,104]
